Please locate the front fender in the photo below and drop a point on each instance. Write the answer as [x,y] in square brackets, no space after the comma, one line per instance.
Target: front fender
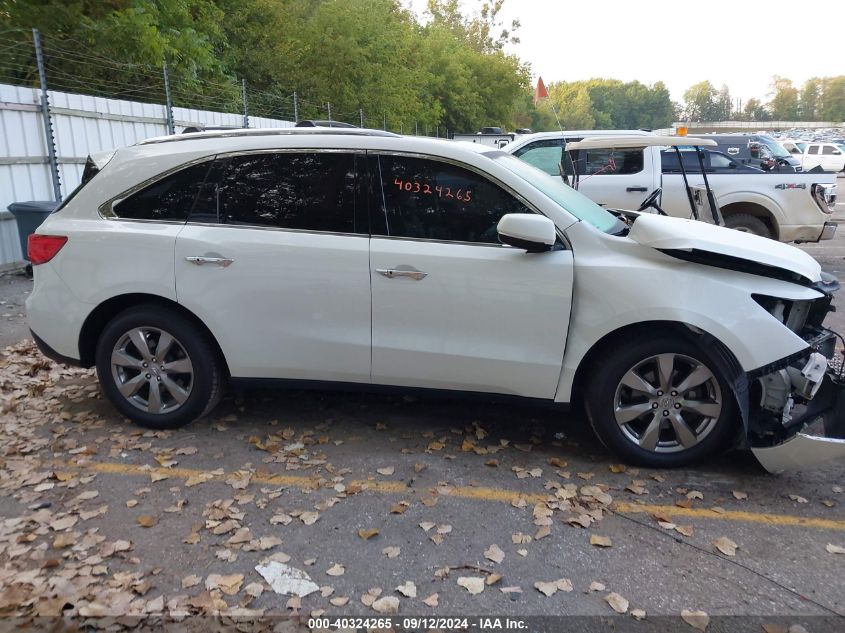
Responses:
[619,283]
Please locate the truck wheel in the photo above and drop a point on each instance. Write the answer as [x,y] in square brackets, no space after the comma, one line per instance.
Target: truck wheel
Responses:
[660,402]
[157,368]
[748,223]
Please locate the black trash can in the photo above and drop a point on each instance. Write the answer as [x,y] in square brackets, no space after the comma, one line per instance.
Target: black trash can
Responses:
[29,216]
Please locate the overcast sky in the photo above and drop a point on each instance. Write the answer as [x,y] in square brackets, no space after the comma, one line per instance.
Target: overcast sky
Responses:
[740,43]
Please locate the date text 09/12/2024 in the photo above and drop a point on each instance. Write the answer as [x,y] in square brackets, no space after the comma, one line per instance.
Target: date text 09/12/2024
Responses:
[420,623]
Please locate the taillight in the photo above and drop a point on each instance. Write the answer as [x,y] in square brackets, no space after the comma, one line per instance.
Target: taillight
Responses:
[43,248]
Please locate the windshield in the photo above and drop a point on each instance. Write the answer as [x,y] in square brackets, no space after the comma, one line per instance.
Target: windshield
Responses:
[777,149]
[553,186]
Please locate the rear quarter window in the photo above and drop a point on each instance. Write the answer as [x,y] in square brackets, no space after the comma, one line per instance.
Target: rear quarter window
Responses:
[169,199]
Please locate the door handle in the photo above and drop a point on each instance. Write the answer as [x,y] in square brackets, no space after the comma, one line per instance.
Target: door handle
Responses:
[636,188]
[390,273]
[219,261]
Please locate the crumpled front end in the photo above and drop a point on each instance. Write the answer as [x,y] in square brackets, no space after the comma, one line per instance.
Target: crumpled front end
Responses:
[796,414]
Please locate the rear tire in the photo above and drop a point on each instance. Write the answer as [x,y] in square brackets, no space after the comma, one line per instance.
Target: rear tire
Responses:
[158,368]
[660,402]
[748,223]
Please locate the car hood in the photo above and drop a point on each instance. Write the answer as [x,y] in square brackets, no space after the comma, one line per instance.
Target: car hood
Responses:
[704,243]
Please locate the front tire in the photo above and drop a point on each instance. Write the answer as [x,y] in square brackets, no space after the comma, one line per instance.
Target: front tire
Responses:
[660,402]
[748,223]
[158,368]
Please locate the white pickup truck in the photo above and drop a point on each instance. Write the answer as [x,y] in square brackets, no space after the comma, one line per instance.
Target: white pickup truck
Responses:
[787,207]
[828,156]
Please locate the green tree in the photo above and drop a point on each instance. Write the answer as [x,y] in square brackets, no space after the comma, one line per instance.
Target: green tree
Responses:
[833,99]
[701,103]
[784,101]
[755,110]
[809,104]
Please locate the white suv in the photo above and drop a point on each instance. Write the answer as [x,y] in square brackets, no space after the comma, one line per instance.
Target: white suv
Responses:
[360,257]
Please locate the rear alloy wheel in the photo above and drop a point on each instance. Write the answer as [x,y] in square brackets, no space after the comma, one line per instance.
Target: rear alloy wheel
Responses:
[660,403]
[157,368]
[748,223]
[152,370]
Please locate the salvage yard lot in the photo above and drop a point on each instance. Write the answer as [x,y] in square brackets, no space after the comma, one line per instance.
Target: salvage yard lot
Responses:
[370,493]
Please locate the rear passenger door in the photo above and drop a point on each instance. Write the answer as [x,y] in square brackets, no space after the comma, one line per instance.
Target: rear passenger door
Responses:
[274,260]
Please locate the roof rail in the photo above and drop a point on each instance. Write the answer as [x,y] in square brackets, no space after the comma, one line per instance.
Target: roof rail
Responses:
[285,131]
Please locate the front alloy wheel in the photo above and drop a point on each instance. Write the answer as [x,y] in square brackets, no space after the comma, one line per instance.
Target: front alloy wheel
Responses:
[660,401]
[667,403]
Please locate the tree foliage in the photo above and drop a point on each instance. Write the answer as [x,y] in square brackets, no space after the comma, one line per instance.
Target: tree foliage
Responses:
[606,104]
[373,55]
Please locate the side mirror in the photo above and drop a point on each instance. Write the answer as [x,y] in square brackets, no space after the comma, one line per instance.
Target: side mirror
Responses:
[733,166]
[534,233]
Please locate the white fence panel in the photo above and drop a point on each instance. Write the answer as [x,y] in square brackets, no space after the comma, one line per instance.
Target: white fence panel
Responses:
[82,125]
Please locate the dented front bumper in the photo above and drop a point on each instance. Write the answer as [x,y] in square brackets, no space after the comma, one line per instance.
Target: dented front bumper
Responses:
[801,449]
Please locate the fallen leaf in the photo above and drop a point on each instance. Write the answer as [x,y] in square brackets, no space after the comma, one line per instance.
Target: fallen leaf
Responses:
[387,471]
[388,604]
[309,518]
[835,549]
[494,553]
[340,601]
[741,496]
[368,533]
[616,602]
[694,494]
[432,600]
[696,619]
[230,585]
[391,552]
[399,508]
[638,614]
[268,542]
[473,584]
[408,589]
[798,499]
[190,581]
[686,530]
[147,520]
[336,570]
[546,588]
[564,584]
[254,589]
[600,541]
[427,525]
[597,586]
[726,546]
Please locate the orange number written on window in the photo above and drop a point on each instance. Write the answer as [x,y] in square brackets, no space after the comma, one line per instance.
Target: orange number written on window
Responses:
[415,186]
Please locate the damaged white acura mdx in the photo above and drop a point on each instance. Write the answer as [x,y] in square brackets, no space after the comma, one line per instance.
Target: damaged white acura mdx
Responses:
[365,258]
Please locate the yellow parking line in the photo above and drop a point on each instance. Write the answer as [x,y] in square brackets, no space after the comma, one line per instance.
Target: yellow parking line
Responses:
[730,515]
[463,492]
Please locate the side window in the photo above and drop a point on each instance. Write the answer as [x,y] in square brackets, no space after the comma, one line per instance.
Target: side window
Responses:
[170,198]
[312,191]
[426,199]
[814,149]
[613,162]
[829,150]
[544,155]
[717,161]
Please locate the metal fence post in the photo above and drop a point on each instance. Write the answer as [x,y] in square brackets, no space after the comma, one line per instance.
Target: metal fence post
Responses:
[246,105]
[295,109]
[168,104]
[361,115]
[384,122]
[49,139]
[329,108]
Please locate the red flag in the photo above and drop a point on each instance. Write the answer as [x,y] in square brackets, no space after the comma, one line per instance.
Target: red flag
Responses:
[540,91]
